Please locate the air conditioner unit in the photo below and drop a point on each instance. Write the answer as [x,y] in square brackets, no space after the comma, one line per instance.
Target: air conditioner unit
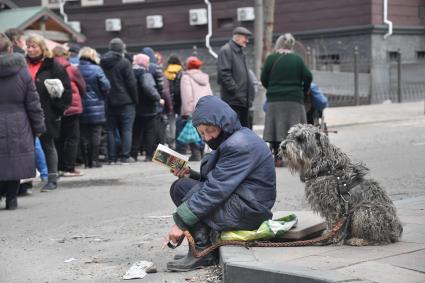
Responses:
[75,25]
[113,24]
[198,17]
[154,22]
[246,14]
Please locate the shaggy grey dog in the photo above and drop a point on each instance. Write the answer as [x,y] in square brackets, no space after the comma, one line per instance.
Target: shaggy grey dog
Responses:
[335,186]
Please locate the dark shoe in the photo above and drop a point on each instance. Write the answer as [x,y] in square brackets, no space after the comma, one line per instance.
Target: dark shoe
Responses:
[49,186]
[201,235]
[128,160]
[52,183]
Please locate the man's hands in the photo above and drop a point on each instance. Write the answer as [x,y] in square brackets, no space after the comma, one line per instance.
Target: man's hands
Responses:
[174,235]
[184,172]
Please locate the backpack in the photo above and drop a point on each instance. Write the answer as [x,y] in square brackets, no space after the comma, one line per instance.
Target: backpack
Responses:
[175,92]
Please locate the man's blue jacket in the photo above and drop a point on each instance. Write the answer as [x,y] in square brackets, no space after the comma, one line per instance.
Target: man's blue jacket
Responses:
[238,180]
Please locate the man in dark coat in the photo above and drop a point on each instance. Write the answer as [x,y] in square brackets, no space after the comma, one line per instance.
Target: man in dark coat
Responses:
[233,76]
[121,101]
[21,118]
[235,189]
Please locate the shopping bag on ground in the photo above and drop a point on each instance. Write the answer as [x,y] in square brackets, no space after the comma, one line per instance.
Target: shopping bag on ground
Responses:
[189,134]
[269,229]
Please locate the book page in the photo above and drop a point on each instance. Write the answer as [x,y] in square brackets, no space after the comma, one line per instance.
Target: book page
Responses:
[170,158]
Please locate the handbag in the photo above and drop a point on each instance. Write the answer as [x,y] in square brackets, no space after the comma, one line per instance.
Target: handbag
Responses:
[189,134]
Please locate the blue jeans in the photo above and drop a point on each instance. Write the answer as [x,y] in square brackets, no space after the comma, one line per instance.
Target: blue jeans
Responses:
[120,120]
[40,160]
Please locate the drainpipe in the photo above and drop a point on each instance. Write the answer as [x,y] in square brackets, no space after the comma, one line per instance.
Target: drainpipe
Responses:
[62,11]
[207,38]
[389,23]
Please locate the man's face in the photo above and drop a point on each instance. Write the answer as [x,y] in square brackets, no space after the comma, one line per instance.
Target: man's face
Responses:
[208,132]
[242,40]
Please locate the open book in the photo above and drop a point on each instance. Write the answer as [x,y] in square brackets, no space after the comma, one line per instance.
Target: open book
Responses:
[170,158]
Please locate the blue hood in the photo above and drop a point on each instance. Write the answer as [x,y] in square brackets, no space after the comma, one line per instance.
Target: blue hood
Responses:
[149,51]
[212,110]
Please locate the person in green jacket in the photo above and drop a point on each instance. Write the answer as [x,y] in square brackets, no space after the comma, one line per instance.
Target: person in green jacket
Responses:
[287,79]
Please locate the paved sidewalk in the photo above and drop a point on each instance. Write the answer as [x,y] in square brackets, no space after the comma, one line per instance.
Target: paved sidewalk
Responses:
[402,262]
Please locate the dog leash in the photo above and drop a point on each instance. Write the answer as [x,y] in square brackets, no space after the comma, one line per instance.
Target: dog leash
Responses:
[324,239]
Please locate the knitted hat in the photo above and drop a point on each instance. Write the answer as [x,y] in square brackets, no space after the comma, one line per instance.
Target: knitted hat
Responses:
[193,63]
[141,60]
[117,45]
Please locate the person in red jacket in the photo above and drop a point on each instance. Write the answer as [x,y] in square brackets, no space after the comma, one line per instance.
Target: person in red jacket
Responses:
[67,143]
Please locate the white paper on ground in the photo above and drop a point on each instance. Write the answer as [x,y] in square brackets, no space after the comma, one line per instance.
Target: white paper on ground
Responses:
[138,270]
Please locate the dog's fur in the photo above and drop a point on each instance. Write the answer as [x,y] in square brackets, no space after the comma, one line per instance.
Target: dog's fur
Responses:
[331,178]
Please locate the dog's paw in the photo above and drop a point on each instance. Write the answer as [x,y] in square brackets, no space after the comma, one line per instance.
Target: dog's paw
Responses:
[358,242]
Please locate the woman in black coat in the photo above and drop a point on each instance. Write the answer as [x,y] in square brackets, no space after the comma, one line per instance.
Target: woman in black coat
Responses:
[43,67]
[21,119]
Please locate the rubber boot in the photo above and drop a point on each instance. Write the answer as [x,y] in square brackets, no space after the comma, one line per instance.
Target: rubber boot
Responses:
[201,235]
[195,153]
[52,183]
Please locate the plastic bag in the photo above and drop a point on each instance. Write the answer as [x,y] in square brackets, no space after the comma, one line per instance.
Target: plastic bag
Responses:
[189,134]
[318,99]
[268,229]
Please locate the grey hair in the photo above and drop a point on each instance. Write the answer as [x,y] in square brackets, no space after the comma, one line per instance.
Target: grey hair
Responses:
[286,41]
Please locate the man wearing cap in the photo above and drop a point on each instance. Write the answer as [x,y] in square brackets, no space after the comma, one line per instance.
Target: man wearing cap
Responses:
[121,101]
[233,76]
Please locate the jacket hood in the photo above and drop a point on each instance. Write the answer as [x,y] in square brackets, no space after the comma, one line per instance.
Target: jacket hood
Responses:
[172,70]
[149,51]
[198,76]
[214,111]
[110,59]
[62,61]
[10,64]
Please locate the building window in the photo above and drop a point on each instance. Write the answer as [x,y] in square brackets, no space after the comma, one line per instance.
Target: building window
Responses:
[329,62]
[420,55]
[86,3]
[132,1]
[422,12]
[393,56]
[225,23]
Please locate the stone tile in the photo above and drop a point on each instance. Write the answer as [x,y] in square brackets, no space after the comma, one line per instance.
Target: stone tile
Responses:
[360,254]
[383,273]
[413,219]
[290,253]
[412,261]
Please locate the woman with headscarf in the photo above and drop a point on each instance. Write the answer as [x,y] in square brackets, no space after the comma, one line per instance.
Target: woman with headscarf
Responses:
[287,79]
[43,67]
[194,85]
[21,118]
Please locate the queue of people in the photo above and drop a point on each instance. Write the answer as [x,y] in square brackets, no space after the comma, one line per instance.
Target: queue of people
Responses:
[134,103]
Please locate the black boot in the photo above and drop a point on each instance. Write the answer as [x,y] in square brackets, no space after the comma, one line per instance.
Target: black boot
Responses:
[201,235]
[12,196]
[195,153]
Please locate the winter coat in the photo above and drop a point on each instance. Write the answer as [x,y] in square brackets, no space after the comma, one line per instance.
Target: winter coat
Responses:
[194,85]
[233,76]
[148,94]
[286,78]
[155,69]
[238,180]
[53,108]
[21,118]
[173,74]
[120,74]
[78,86]
[97,87]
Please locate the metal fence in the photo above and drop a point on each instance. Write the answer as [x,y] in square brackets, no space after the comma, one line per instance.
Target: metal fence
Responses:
[355,80]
